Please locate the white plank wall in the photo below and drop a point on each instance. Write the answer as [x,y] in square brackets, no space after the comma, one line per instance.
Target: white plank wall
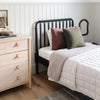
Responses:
[21,16]
[97,23]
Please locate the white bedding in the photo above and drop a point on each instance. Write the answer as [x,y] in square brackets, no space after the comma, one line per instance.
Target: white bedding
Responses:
[46,52]
[82,73]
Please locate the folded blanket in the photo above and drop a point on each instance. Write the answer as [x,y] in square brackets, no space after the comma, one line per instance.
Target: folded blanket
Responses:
[59,57]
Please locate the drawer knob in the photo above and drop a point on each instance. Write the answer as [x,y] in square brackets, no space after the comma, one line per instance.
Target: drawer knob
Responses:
[16,45]
[17,56]
[18,78]
[17,67]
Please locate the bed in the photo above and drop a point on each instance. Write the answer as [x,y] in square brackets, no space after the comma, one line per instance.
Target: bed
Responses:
[41,39]
[80,72]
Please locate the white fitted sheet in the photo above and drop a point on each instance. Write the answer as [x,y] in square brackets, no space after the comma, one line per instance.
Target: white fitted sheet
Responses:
[46,52]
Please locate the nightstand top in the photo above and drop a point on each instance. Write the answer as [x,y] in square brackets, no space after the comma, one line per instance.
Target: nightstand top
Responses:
[18,37]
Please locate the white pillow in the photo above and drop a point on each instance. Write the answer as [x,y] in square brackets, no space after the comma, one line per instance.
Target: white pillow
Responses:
[49,37]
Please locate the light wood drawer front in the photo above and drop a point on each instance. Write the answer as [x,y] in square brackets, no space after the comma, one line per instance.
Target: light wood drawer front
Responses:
[2,48]
[13,58]
[10,76]
[15,46]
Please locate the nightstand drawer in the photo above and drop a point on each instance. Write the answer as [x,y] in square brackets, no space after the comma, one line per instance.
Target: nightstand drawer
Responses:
[16,46]
[11,77]
[13,58]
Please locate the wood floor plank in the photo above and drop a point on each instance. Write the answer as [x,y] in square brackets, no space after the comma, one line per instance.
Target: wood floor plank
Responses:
[40,87]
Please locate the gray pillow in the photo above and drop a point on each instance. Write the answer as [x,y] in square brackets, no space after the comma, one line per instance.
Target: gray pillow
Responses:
[73,38]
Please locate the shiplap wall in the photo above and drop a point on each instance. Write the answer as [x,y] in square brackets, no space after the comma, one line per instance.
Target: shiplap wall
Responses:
[22,16]
[96,22]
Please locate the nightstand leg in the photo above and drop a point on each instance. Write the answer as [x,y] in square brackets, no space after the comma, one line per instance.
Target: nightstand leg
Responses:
[29,62]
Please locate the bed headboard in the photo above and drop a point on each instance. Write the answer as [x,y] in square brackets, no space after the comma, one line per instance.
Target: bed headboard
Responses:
[41,27]
[41,39]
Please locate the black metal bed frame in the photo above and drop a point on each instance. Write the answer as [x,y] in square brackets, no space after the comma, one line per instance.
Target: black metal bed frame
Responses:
[41,27]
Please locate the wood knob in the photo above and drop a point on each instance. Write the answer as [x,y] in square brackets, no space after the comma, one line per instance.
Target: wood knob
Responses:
[17,56]
[16,45]
[17,67]
[18,78]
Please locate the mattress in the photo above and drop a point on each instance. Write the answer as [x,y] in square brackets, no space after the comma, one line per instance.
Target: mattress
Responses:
[46,52]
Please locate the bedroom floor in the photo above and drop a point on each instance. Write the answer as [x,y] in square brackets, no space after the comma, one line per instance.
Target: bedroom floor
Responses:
[40,87]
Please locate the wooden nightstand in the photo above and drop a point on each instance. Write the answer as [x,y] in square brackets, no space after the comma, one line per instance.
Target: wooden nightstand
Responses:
[15,62]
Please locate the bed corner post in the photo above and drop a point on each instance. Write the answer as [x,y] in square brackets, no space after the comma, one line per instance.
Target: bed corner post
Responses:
[36,49]
[36,61]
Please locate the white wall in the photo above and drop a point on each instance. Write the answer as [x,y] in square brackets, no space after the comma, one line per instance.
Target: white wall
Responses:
[48,1]
[96,23]
[22,16]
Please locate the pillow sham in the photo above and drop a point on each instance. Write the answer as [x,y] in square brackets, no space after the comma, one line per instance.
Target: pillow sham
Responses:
[49,37]
[73,38]
[58,40]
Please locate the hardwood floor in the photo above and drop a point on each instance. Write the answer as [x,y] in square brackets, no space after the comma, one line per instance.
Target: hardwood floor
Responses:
[40,87]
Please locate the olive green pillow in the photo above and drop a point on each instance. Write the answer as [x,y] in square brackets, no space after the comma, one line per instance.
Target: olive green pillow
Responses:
[73,38]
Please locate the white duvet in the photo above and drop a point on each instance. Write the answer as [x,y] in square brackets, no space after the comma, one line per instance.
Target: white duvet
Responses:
[82,73]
